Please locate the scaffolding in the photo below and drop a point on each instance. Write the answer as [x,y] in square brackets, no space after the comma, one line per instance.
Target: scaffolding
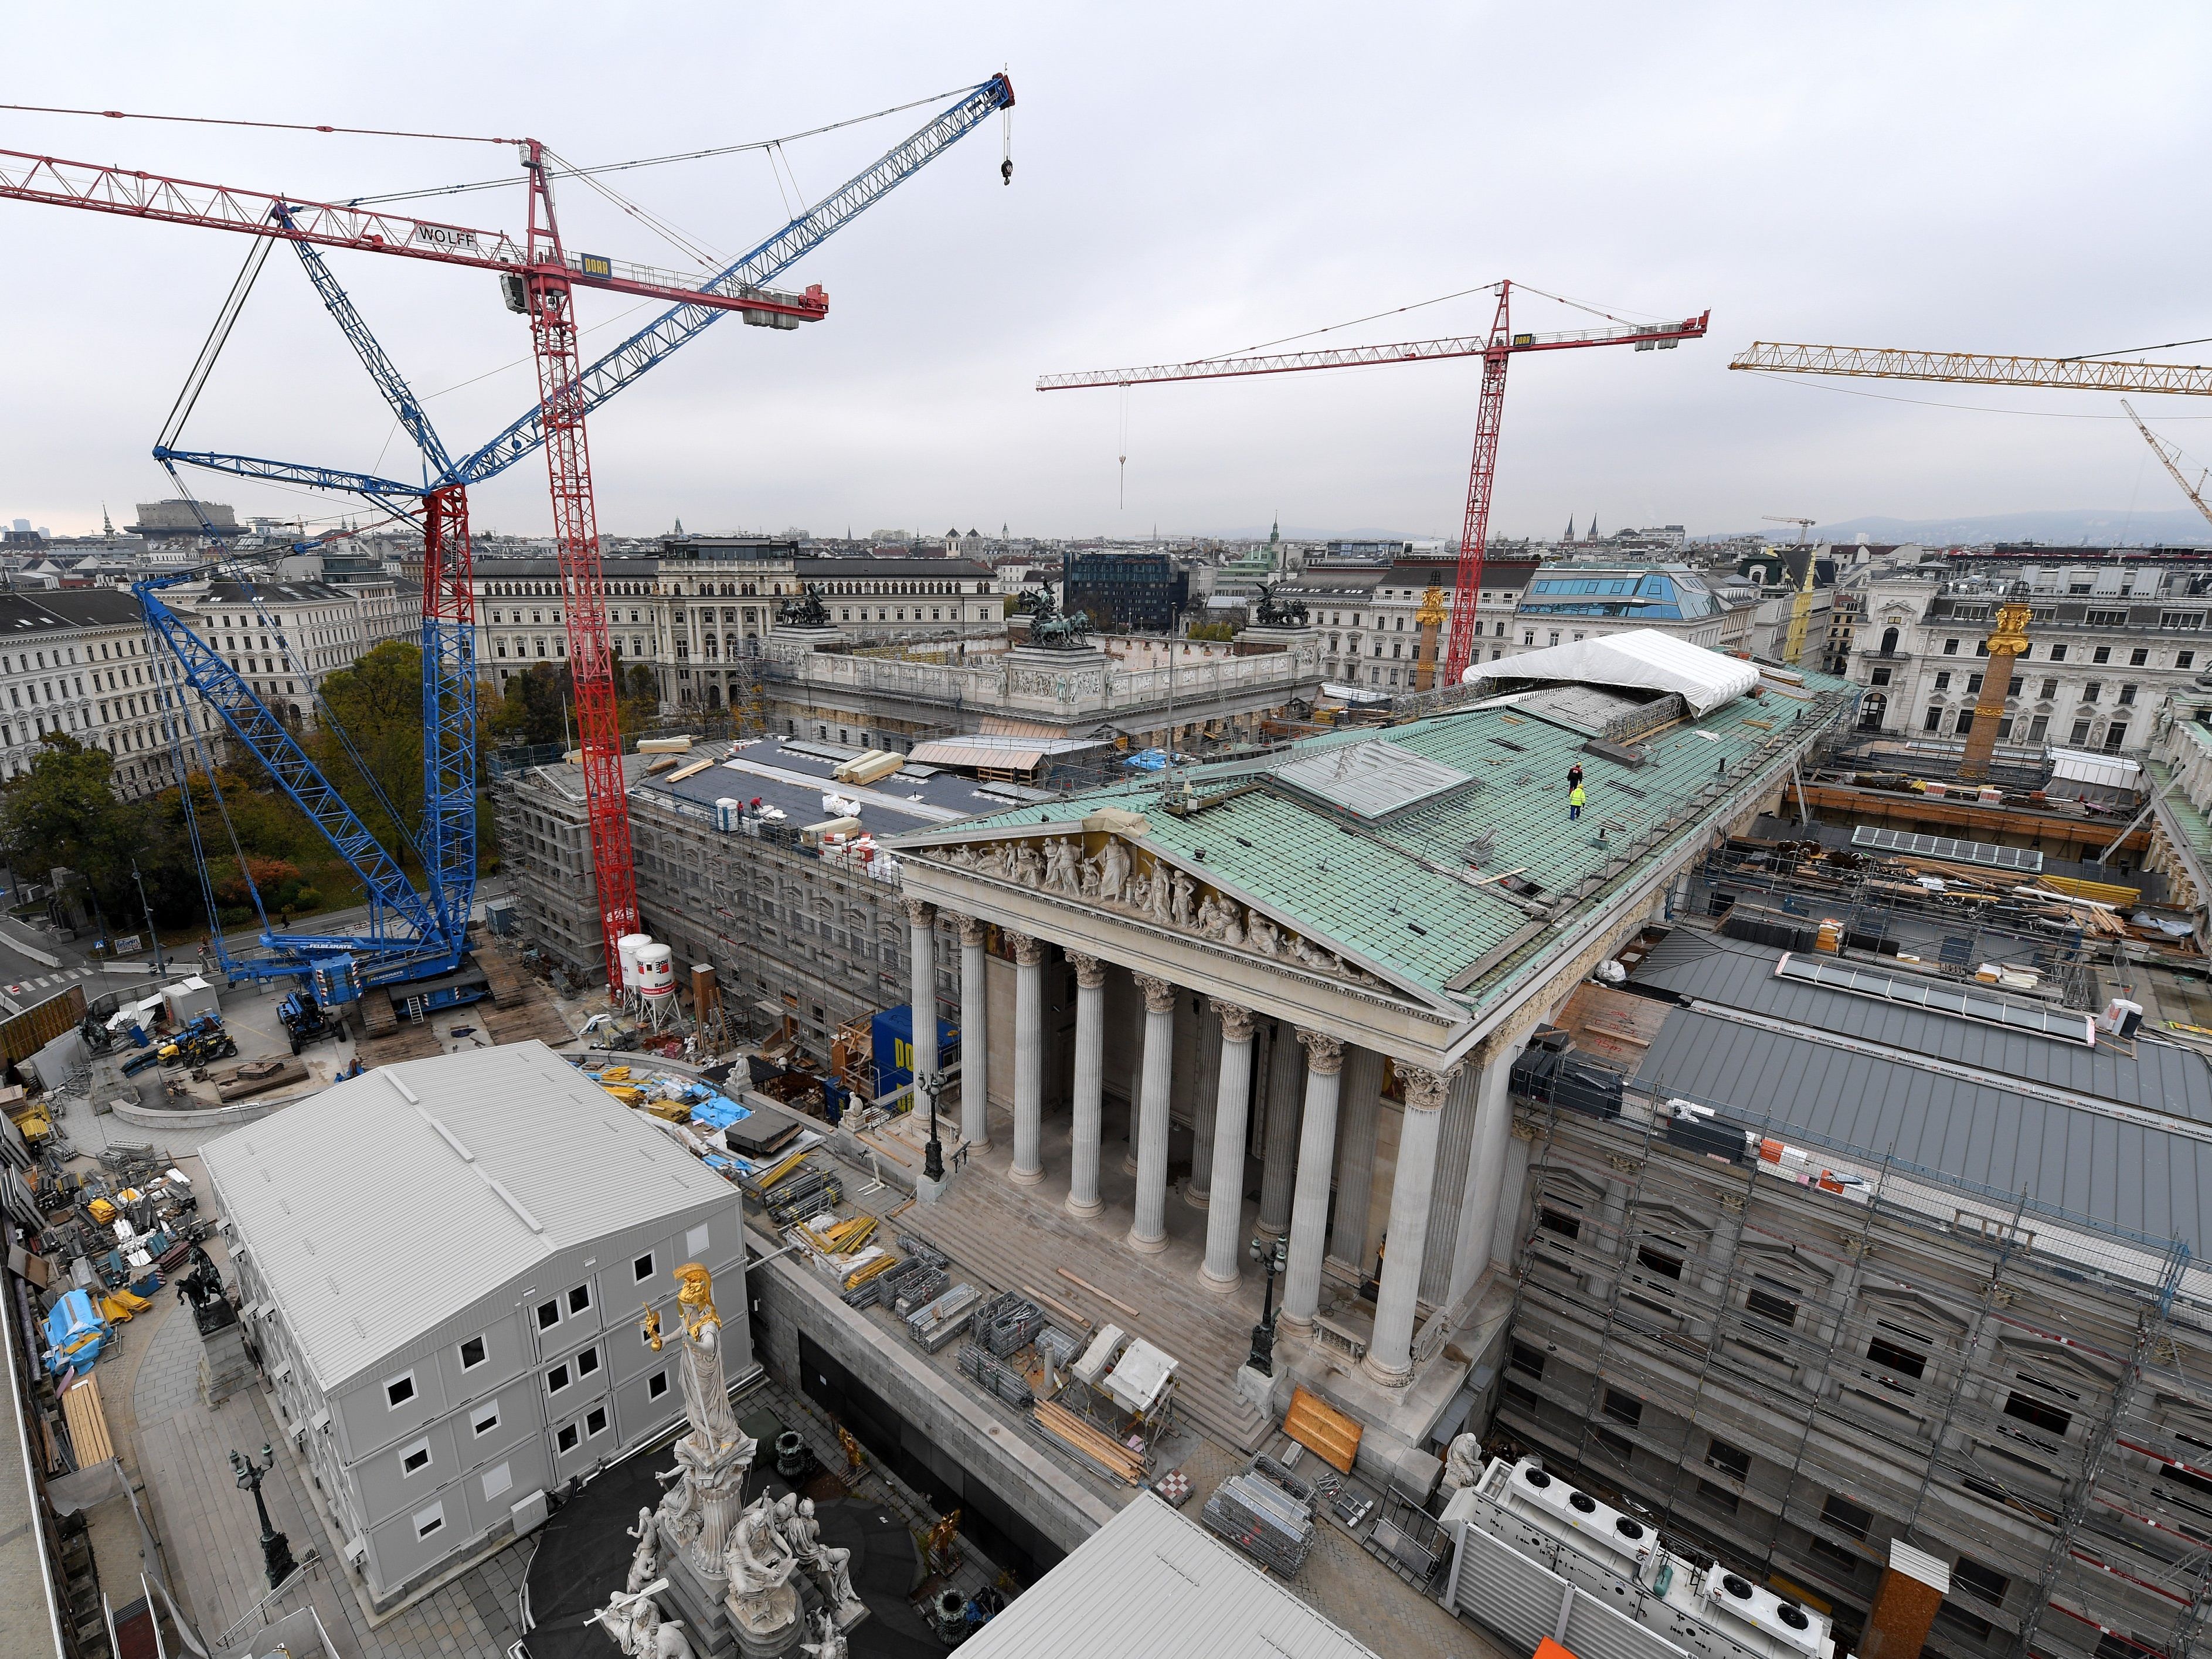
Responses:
[1784,1376]
[1878,903]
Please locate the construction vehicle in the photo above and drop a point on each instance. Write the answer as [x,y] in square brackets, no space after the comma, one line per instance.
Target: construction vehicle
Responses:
[415,936]
[1497,349]
[200,1043]
[303,1019]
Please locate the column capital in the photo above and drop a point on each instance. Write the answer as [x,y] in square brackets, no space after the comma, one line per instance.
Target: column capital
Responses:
[1426,1089]
[1159,994]
[974,931]
[1028,953]
[1324,1053]
[920,912]
[1090,971]
[1237,1020]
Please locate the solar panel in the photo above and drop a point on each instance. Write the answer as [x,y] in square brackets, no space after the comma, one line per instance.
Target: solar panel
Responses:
[1986,854]
[1938,996]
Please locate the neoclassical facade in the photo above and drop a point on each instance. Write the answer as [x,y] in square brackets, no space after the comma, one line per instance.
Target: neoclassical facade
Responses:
[1309,977]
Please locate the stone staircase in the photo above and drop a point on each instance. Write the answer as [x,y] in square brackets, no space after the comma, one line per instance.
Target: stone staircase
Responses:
[1006,1238]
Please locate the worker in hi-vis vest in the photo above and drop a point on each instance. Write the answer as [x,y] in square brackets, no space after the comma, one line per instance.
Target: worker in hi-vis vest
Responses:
[1574,803]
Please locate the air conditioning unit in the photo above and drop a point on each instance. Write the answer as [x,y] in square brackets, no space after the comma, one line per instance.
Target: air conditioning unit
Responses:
[1754,1604]
[356,1550]
[1616,1535]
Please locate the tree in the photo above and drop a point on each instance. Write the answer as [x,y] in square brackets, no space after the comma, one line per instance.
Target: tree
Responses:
[1217,630]
[539,706]
[378,705]
[62,814]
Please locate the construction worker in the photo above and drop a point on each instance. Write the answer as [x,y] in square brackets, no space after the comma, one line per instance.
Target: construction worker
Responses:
[1574,776]
[1574,803]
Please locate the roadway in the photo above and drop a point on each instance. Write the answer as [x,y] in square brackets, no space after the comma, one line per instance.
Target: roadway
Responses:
[35,965]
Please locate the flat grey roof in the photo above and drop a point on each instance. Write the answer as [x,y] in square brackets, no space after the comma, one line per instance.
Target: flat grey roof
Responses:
[1153,1584]
[2115,1171]
[2159,1076]
[373,1218]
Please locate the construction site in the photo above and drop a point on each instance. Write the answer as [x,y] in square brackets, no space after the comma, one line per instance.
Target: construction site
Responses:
[1619,1148]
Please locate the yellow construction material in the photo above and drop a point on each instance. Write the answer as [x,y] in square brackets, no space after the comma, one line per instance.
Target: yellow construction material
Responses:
[881,1264]
[87,1423]
[2102,892]
[614,1074]
[782,1171]
[692,770]
[102,1211]
[669,1111]
[120,1305]
[1322,1429]
[848,1236]
[624,1093]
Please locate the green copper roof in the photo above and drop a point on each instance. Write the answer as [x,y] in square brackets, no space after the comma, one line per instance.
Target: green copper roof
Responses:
[1393,889]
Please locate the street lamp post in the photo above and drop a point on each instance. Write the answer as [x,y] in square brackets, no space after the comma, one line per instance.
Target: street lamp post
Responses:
[276,1549]
[1274,1258]
[932,1157]
[161,962]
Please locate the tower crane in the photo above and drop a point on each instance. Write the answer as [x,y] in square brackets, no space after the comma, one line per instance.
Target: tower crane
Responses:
[1803,524]
[2169,457]
[411,934]
[1497,347]
[2007,638]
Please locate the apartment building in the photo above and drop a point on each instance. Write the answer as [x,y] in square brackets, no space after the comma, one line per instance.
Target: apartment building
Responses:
[2112,634]
[519,618]
[1367,615]
[284,638]
[78,662]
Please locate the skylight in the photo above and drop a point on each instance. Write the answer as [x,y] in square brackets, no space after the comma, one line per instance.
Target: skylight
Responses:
[1941,997]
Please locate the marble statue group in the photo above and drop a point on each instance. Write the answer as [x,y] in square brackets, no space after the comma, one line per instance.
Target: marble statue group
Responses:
[733,1571]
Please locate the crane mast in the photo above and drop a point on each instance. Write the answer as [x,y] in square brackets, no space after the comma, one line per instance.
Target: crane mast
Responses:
[1496,349]
[583,588]
[540,275]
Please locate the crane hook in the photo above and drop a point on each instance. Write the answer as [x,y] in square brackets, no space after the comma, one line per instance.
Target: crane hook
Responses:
[1006,171]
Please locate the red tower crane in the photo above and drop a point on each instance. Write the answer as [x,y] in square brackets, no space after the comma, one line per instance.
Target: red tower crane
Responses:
[1496,349]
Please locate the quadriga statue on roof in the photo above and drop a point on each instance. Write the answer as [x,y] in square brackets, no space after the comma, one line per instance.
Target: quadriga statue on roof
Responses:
[807,610]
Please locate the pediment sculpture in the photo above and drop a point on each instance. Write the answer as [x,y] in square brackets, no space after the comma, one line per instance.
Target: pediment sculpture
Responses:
[1144,884]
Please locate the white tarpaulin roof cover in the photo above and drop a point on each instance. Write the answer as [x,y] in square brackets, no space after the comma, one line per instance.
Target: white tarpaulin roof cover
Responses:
[1643,657]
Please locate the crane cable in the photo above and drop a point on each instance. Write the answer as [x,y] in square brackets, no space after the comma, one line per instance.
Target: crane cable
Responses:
[232,121]
[654,161]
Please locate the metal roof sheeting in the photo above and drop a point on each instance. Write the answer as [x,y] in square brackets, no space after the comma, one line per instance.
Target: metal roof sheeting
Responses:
[2159,1076]
[2113,1171]
[1149,1584]
[373,1218]
[1644,657]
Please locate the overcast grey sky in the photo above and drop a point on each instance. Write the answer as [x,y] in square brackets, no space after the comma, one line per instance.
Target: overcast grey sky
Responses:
[1188,180]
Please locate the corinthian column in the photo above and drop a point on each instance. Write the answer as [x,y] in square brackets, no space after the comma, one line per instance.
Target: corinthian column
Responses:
[1316,1159]
[921,952]
[1149,1232]
[1224,1210]
[1090,1058]
[975,1041]
[1390,1354]
[1029,1062]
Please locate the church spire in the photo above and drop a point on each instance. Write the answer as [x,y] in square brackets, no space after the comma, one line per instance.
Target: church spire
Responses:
[1569,536]
[1592,535]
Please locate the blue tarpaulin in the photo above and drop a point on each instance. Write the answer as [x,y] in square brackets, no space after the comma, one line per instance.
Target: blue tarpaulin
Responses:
[1148,760]
[75,1333]
[718,1111]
